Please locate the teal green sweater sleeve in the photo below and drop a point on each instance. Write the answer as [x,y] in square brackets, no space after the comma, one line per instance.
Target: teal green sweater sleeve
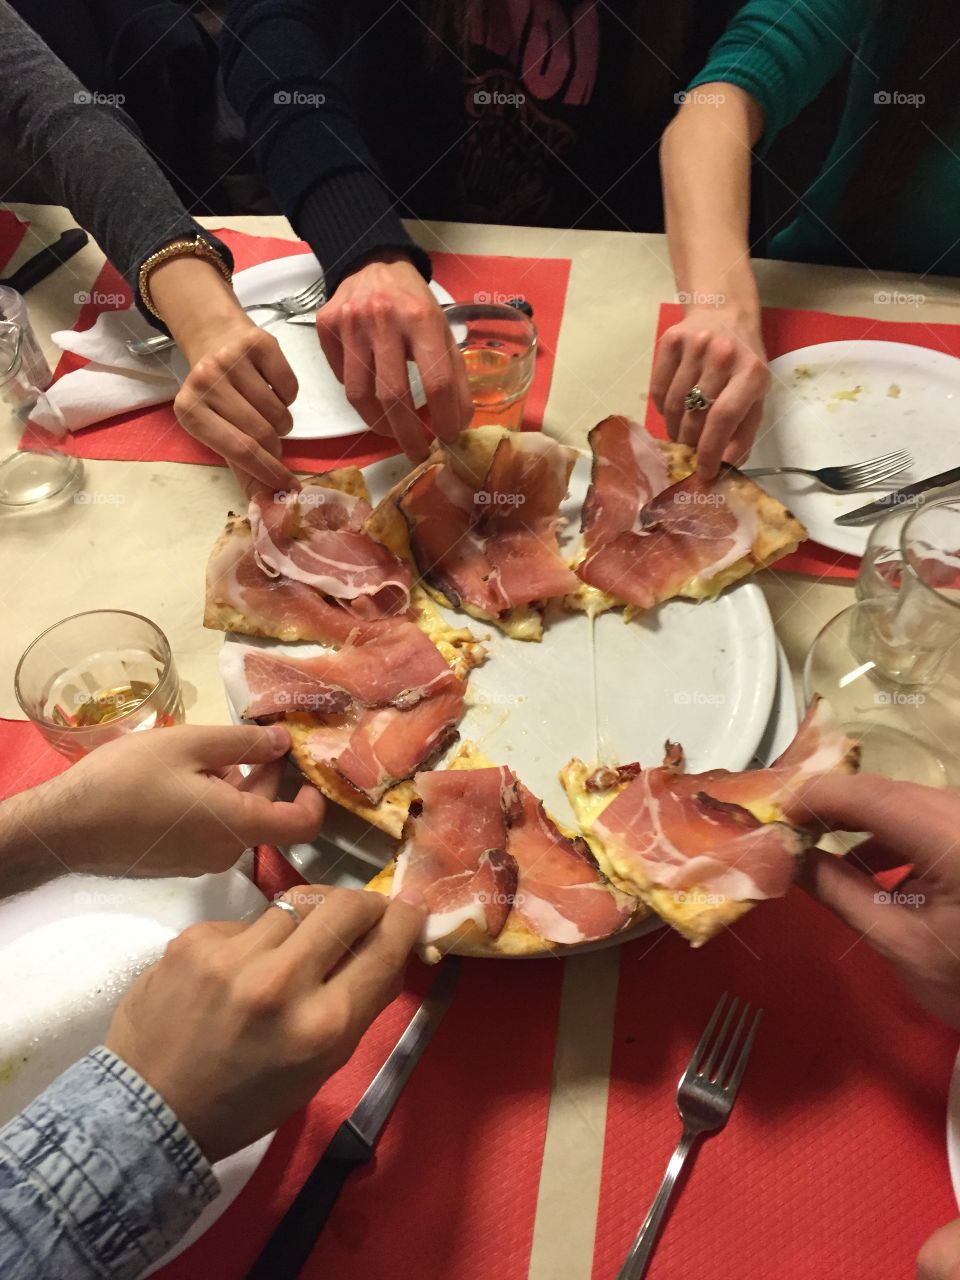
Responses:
[783,52]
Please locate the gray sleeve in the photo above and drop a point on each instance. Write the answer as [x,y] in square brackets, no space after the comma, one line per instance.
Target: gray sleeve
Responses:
[84,151]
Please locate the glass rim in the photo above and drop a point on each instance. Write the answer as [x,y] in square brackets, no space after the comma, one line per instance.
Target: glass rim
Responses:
[166,653]
[922,509]
[491,311]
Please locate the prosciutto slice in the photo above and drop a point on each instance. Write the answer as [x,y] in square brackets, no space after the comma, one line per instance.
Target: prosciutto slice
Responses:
[674,838]
[493,544]
[562,896]
[454,850]
[689,532]
[628,470]
[373,748]
[315,537]
[382,664]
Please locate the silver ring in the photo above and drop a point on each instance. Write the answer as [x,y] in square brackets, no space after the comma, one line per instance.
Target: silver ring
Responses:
[288,907]
[695,400]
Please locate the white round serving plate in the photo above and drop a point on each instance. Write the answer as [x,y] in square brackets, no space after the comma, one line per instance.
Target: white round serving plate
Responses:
[68,952]
[705,675]
[953,1129]
[909,398]
[321,410]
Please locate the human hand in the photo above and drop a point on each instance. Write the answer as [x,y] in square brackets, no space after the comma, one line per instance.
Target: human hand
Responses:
[917,928]
[939,1259]
[382,315]
[172,801]
[721,351]
[274,1008]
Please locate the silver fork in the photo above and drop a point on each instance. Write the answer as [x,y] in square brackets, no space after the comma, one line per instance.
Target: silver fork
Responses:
[848,478]
[295,304]
[705,1099]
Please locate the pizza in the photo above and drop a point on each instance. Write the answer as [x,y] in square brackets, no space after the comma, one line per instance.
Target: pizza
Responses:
[340,618]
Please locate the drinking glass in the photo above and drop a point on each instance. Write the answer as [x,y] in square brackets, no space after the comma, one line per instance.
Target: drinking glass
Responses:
[499,349]
[37,470]
[881,566]
[95,676]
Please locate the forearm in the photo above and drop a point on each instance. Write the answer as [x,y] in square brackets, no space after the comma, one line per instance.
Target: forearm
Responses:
[97,1177]
[195,302]
[705,159]
[32,840]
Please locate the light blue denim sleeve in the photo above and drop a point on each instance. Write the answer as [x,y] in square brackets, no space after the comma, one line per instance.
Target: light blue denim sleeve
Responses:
[98,1177]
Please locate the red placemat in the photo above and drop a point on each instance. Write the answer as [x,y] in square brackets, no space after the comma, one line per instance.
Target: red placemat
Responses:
[833,1162]
[26,758]
[452,1190]
[12,231]
[786,330]
[155,435]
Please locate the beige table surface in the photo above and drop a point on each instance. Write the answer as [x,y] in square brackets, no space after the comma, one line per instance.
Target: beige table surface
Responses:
[142,539]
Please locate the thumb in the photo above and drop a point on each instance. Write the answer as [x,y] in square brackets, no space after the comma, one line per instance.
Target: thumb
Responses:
[216,747]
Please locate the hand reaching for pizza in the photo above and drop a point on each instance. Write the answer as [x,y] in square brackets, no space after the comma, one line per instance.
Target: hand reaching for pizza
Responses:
[917,928]
[164,802]
[275,1008]
[382,315]
[721,352]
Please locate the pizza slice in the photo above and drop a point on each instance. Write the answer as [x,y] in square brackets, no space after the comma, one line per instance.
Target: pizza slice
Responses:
[702,849]
[479,521]
[654,530]
[500,877]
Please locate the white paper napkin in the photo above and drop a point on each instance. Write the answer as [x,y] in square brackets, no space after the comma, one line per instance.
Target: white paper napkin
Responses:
[115,381]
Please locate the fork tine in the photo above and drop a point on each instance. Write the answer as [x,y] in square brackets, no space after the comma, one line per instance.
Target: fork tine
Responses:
[875,471]
[733,1084]
[734,1041]
[902,458]
[707,1070]
[704,1040]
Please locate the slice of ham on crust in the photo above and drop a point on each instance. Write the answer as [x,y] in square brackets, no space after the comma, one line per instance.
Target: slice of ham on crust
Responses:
[562,896]
[320,542]
[454,853]
[370,749]
[629,468]
[383,664]
[490,544]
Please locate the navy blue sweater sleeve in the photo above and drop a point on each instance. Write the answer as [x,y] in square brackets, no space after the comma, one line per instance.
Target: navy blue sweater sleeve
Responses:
[281,62]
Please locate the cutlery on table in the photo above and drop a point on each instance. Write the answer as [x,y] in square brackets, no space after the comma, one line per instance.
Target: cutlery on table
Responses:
[705,1097]
[307,300]
[45,262]
[288,1248]
[874,510]
[847,478]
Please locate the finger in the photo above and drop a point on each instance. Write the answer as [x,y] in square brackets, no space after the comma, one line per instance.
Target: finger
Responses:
[443,376]
[215,747]
[939,1258]
[665,365]
[258,393]
[852,895]
[275,924]
[359,380]
[262,780]
[393,394]
[372,975]
[269,360]
[918,823]
[329,337]
[742,441]
[332,931]
[245,455]
[711,430]
[686,377]
[254,819]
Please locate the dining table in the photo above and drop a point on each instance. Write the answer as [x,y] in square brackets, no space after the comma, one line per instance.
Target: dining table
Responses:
[538,1146]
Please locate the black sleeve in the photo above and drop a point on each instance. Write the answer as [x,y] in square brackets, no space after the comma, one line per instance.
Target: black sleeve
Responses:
[280,60]
[87,155]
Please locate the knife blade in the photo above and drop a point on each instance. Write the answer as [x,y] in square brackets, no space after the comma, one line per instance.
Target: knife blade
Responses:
[873,510]
[45,262]
[286,1251]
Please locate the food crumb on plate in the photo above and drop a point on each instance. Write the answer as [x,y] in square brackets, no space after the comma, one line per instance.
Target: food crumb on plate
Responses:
[893,391]
[853,394]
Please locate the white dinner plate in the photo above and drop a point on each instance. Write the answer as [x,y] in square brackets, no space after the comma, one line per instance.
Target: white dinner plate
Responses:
[705,675]
[68,952]
[321,410]
[953,1129]
[843,402]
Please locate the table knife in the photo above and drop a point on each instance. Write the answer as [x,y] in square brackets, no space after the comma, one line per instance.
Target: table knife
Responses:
[292,1241]
[874,510]
[45,262]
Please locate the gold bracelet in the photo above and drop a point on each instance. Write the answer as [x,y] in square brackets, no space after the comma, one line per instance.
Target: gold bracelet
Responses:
[195,248]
